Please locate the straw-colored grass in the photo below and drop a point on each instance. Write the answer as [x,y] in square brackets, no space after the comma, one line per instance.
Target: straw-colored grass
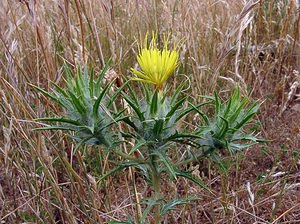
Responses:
[254,44]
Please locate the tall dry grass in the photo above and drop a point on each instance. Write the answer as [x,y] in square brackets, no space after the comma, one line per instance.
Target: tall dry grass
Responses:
[254,44]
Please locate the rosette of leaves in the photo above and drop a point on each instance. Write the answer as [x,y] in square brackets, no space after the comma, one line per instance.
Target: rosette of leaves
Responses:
[226,130]
[85,106]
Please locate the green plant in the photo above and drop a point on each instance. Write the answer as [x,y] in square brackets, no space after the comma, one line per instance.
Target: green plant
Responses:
[152,124]
[85,103]
[154,129]
[226,130]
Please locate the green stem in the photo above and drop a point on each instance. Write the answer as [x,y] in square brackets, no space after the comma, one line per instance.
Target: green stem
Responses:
[156,187]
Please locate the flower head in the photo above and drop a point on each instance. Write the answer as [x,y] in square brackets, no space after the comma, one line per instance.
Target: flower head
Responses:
[156,65]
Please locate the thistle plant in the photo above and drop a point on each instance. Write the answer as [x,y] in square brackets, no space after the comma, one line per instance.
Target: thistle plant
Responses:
[154,129]
[84,104]
[152,122]
[155,119]
[226,130]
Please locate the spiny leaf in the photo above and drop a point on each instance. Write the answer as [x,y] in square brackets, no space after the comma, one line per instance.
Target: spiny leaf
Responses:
[58,119]
[137,146]
[177,92]
[188,176]
[150,204]
[48,94]
[91,83]
[147,93]
[223,166]
[154,103]
[114,96]
[99,99]
[170,205]
[127,120]
[228,108]
[135,107]
[203,115]
[238,110]
[110,172]
[175,107]
[244,120]
[76,102]
[133,95]
[166,162]
[100,79]
[61,90]
[217,104]
[224,128]
[79,84]
[73,128]
[81,142]
[158,127]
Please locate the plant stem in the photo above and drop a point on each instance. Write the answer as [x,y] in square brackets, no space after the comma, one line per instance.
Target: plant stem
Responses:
[156,187]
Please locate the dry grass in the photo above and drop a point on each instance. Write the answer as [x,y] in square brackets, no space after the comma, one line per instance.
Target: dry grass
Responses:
[254,44]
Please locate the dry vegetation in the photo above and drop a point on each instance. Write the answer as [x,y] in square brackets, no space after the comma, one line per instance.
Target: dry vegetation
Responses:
[254,44]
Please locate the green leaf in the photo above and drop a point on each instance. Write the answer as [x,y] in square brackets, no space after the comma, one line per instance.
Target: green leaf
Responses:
[81,142]
[228,109]
[58,119]
[61,90]
[166,162]
[154,103]
[238,147]
[114,96]
[170,205]
[181,136]
[150,204]
[133,95]
[129,221]
[188,176]
[217,104]
[189,109]
[129,122]
[76,102]
[246,137]
[110,172]
[91,83]
[48,94]
[147,93]
[69,77]
[183,113]
[174,108]
[99,99]
[137,146]
[203,115]
[158,128]
[79,84]
[135,107]
[224,129]
[177,92]
[238,111]
[100,79]
[73,128]
[244,120]
[223,166]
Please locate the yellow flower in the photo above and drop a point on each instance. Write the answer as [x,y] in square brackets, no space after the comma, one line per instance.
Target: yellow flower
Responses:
[156,65]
